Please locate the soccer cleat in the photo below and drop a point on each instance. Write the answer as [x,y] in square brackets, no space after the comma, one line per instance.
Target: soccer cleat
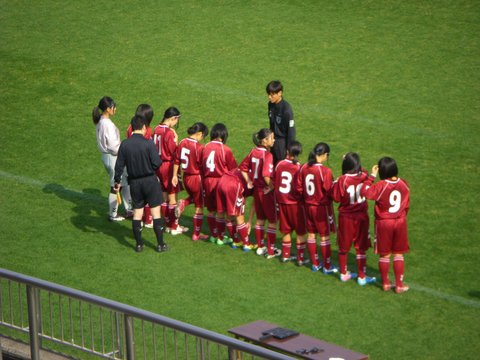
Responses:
[227,240]
[304,262]
[236,245]
[167,230]
[128,214]
[401,289]
[332,270]
[285,260]
[248,247]
[162,248]
[139,248]
[199,237]
[116,218]
[347,276]
[278,252]
[220,242]
[261,250]
[212,239]
[149,225]
[179,230]
[179,208]
[366,280]
[387,286]
[316,268]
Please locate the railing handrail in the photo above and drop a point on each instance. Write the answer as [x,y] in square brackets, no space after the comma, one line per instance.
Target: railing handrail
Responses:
[143,314]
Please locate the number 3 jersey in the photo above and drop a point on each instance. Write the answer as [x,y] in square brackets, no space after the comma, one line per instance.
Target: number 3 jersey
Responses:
[392,197]
[287,190]
[346,191]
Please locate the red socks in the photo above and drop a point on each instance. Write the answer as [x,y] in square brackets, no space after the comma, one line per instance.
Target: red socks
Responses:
[197,223]
[398,269]
[361,264]
[326,253]
[312,250]
[384,267]
[212,225]
[259,235]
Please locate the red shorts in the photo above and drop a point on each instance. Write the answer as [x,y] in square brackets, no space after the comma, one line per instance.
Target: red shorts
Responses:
[210,187]
[292,218]
[165,174]
[391,236]
[320,219]
[230,198]
[353,229]
[194,188]
[265,205]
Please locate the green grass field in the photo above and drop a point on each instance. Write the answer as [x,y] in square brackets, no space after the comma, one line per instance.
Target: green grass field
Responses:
[379,78]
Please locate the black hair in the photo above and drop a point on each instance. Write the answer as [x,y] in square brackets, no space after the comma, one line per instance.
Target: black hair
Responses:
[294,150]
[260,135]
[387,168]
[137,122]
[274,87]
[319,149]
[219,131]
[171,112]
[198,127]
[146,111]
[351,163]
[104,103]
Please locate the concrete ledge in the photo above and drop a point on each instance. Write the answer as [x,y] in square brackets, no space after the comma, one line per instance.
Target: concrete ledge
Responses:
[18,350]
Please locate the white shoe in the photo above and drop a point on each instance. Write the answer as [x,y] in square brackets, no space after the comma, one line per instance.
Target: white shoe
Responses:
[149,226]
[262,250]
[116,218]
[179,230]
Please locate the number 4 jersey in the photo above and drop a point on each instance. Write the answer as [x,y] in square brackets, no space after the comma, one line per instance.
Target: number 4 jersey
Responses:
[392,197]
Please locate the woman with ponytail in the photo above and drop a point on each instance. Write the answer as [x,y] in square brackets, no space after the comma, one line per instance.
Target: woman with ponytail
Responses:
[108,142]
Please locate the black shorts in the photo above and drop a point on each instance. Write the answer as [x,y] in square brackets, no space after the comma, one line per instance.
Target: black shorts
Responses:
[146,191]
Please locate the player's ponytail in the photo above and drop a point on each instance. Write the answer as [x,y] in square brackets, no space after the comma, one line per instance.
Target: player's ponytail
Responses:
[294,150]
[319,149]
[351,163]
[104,103]
[259,136]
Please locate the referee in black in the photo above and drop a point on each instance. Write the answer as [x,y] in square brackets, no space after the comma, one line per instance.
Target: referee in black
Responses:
[282,124]
[141,159]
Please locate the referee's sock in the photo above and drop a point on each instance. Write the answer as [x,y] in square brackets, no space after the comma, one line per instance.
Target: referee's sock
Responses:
[137,231]
[158,228]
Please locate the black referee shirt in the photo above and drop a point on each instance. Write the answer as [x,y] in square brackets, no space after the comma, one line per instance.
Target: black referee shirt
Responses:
[281,120]
[139,156]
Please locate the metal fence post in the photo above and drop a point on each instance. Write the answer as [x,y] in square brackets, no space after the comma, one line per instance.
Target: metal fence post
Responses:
[129,338]
[33,322]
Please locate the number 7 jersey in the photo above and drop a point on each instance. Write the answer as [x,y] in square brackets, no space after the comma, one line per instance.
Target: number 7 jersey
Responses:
[392,197]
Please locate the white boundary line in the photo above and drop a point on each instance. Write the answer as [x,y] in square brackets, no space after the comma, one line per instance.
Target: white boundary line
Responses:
[434,293]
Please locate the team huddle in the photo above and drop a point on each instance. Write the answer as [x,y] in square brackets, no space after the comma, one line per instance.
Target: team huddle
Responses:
[295,198]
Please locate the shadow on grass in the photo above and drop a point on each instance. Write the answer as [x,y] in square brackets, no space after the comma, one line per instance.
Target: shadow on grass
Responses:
[90,214]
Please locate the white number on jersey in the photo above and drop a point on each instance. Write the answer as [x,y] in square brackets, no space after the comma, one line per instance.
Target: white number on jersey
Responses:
[286,182]
[211,161]
[184,157]
[395,201]
[355,194]
[157,139]
[309,184]
[255,162]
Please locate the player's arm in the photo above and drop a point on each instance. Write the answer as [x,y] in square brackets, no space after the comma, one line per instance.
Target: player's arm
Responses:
[154,157]
[119,166]
[291,130]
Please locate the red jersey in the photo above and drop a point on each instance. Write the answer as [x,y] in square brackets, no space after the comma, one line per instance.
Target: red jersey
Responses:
[217,159]
[148,134]
[346,191]
[316,182]
[165,141]
[392,197]
[286,182]
[258,164]
[189,155]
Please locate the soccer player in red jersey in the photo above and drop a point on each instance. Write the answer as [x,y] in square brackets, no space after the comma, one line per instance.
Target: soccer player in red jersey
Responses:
[258,165]
[217,159]
[188,160]
[166,140]
[392,201]
[289,199]
[146,111]
[316,181]
[230,198]
[353,222]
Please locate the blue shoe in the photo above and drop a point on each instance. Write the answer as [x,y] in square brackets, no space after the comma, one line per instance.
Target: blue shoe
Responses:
[248,247]
[236,245]
[348,276]
[332,270]
[316,268]
[366,280]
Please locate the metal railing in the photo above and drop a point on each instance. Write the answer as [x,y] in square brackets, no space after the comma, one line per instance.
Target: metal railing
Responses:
[106,328]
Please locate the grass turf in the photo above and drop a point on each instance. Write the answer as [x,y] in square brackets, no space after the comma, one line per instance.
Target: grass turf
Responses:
[398,79]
